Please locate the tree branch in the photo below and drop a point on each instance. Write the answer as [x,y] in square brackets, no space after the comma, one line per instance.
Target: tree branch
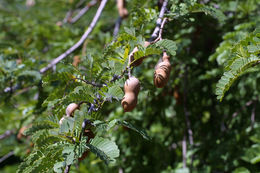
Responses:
[6,156]
[90,83]
[159,20]
[79,43]
[83,11]
[157,30]
[6,134]
[67,169]
[184,151]
[117,26]
[187,113]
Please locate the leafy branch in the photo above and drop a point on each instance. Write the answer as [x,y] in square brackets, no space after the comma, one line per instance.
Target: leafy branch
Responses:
[80,42]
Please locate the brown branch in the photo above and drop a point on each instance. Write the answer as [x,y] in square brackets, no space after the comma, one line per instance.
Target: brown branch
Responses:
[90,83]
[6,156]
[67,169]
[117,26]
[6,134]
[67,17]
[79,43]
[160,31]
[184,151]
[122,11]
[187,114]
[157,33]
[159,20]
[83,11]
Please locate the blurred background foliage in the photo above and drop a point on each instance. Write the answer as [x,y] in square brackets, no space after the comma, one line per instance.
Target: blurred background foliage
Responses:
[226,134]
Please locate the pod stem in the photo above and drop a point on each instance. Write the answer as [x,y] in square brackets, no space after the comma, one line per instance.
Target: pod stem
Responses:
[129,65]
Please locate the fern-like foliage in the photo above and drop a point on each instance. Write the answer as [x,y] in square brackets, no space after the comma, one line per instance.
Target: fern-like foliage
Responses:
[168,45]
[106,150]
[246,53]
[183,9]
[208,10]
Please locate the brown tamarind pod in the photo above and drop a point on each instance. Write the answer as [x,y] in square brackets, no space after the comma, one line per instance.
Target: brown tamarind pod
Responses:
[121,9]
[132,85]
[160,78]
[131,88]
[162,72]
[20,134]
[129,102]
[76,61]
[71,108]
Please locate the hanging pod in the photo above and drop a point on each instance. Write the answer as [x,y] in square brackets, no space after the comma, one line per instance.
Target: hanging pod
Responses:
[131,88]
[162,71]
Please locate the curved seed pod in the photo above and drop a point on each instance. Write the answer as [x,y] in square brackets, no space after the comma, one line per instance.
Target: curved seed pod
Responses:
[71,108]
[132,85]
[121,9]
[129,101]
[131,88]
[162,71]
[20,134]
[160,78]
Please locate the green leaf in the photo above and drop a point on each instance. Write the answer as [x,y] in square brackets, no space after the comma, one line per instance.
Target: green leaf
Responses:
[241,170]
[106,150]
[36,127]
[208,10]
[237,68]
[114,92]
[137,129]
[31,73]
[252,155]
[169,45]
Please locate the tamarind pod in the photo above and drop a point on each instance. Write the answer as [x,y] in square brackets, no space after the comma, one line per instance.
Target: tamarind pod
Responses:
[132,85]
[129,101]
[160,78]
[20,133]
[71,108]
[166,66]
[76,61]
[121,9]
[165,57]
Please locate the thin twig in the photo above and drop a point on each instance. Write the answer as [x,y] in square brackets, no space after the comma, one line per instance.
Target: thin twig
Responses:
[187,114]
[117,26]
[90,83]
[83,11]
[67,17]
[184,151]
[6,156]
[159,20]
[67,169]
[6,134]
[160,31]
[79,43]
[253,115]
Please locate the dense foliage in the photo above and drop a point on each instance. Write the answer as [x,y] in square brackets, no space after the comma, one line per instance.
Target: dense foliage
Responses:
[206,119]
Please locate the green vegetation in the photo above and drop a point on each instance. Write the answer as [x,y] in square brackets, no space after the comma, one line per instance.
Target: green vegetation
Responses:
[205,120]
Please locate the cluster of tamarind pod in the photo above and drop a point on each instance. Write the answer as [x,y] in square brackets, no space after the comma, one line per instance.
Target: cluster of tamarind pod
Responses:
[132,85]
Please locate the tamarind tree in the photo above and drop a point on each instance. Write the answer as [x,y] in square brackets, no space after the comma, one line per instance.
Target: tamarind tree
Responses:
[165,86]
